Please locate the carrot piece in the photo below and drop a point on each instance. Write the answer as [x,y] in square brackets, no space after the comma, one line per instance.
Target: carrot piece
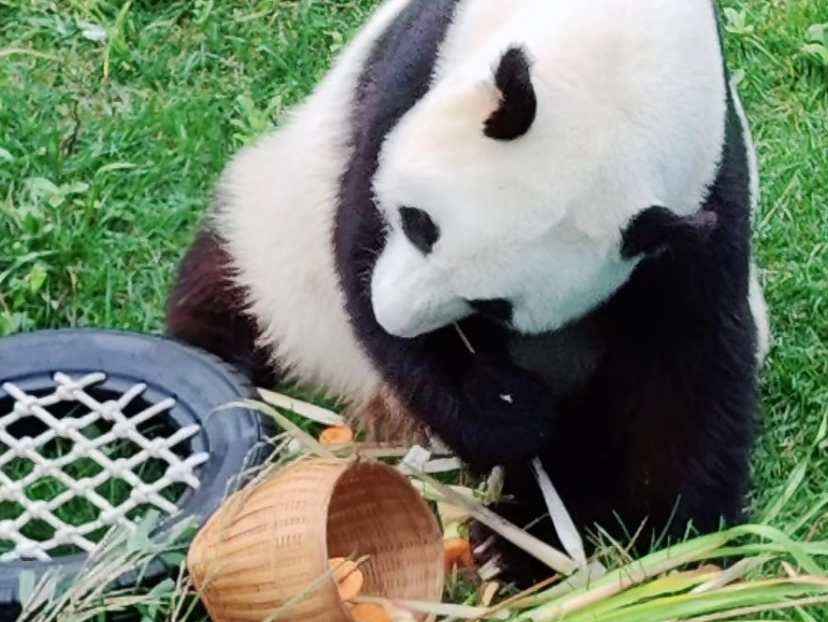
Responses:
[336,435]
[369,612]
[347,576]
[457,552]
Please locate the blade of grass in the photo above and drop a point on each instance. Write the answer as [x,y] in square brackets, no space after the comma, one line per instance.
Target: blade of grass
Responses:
[797,475]
[795,549]
[286,424]
[304,409]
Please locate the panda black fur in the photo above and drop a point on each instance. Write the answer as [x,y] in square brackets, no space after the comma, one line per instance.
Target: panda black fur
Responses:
[617,339]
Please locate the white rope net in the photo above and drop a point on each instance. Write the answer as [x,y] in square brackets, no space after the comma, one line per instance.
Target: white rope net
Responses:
[103,456]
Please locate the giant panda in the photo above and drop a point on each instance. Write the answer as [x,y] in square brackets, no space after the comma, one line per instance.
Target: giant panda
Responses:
[525,227]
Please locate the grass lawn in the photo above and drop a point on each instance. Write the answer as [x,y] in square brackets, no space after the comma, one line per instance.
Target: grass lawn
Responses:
[115,119]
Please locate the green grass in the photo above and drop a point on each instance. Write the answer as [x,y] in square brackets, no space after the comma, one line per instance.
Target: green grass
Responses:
[115,119]
[110,148]
[785,92]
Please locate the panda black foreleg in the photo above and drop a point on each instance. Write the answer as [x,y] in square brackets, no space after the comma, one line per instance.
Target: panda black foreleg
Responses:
[486,409]
[500,414]
[504,393]
[656,446]
[654,450]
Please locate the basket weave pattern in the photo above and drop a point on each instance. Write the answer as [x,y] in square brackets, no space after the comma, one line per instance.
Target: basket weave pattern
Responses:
[270,543]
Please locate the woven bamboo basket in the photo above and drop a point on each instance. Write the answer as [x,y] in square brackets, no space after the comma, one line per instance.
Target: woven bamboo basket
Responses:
[266,549]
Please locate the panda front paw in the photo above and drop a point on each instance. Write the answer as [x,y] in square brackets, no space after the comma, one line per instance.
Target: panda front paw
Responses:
[513,414]
[504,393]
[514,566]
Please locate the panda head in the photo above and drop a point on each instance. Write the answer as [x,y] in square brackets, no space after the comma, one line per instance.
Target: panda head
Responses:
[512,188]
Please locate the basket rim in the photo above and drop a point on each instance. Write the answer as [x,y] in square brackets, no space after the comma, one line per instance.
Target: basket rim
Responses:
[364,462]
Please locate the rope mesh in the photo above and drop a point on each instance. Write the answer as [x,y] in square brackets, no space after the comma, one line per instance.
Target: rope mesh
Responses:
[69,429]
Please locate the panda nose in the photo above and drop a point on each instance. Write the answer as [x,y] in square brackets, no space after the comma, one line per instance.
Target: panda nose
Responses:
[498,309]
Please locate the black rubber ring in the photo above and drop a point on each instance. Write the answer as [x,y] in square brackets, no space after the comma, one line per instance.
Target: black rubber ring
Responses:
[236,439]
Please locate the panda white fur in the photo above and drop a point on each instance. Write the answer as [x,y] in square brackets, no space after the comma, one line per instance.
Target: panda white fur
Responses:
[568,183]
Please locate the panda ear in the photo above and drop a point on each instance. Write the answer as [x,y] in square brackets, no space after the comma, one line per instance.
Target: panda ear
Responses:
[518,103]
[657,227]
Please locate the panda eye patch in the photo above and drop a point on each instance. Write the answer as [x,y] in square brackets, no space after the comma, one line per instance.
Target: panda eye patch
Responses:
[419,228]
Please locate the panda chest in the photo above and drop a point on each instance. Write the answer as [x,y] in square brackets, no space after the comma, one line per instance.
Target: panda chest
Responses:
[565,359]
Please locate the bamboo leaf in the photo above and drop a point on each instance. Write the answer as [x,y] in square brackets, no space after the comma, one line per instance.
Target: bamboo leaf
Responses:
[687,605]
[542,551]
[661,587]
[631,574]
[564,526]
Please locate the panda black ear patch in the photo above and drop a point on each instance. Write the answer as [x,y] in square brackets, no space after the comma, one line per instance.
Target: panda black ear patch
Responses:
[518,103]
[657,227]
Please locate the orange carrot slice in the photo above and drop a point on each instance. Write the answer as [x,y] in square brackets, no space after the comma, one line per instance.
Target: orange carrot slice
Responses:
[369,612]
[457,552]
[347,576]
[336,435]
